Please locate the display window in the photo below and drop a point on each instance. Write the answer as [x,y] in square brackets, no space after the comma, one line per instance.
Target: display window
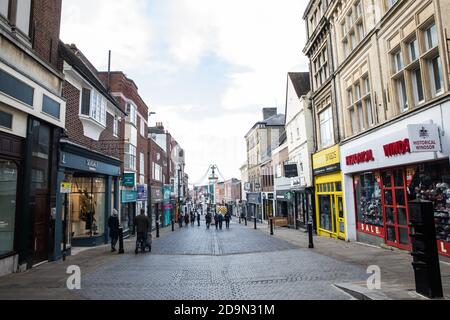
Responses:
[87,207]
[368,203]
[8,193]
[382,197]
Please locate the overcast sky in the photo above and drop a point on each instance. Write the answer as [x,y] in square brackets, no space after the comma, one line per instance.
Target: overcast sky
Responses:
[207,67]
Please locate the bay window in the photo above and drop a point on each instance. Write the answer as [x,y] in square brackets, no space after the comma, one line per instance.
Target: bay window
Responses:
[132,114]
[94,105]
[130,157]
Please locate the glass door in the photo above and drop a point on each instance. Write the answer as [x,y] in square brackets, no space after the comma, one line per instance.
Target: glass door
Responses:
[340,217]
[395,209]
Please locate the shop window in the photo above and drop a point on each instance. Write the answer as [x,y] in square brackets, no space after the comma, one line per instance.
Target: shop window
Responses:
[87,206]
[325,213]
[15,88]
[8,187]
[368,200]
[6,120]
[431,182]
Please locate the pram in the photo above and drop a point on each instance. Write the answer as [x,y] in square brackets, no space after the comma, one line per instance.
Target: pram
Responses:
[143,243]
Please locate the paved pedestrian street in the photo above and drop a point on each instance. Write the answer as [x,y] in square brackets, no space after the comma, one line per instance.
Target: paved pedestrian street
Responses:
[193,263]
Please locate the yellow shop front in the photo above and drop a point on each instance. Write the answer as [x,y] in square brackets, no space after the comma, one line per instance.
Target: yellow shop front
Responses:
[330,214]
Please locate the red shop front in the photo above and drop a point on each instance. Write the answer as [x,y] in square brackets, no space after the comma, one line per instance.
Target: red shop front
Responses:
[382,196]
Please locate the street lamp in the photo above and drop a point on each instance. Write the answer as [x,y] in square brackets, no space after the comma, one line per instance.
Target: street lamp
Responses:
[149,188]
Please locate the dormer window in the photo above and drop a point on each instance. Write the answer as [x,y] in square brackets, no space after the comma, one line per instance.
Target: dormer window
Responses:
[93,105]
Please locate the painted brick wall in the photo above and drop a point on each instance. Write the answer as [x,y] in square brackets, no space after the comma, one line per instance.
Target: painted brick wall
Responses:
[75,127]
[45,29]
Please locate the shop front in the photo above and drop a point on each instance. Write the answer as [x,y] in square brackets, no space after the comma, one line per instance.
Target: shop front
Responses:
[157,206]
[407,160]
[128,206]
[268,205]
[329,196]
[254,202]
[11,159]
[285,207]
[88,191]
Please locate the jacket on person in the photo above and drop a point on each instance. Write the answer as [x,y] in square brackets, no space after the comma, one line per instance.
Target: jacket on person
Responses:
[141,223]
[220,218]
[113,225]
[227,217]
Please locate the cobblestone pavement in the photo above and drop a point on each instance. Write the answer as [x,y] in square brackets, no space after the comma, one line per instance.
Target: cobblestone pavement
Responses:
[194,263]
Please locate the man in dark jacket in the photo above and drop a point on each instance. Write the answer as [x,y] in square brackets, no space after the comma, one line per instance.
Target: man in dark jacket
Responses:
[221,221]
[142,225]
[113,225]
[227,220]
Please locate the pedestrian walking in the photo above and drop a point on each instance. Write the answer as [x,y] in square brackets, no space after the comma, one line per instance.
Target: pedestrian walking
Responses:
[186,219]
[216,220]
[227,220]
[221,221]
[192,218]
[208,220]
[113,225]
[142,224]
[198,218]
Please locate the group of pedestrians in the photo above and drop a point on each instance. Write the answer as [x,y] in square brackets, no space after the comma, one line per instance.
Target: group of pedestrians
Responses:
[219,219]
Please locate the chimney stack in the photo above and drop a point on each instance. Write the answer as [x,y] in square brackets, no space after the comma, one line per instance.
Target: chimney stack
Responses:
[269,112]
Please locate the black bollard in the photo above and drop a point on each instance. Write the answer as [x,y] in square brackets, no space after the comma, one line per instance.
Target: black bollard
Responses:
[121,249]
[271,227]
[255,224]
[173,225]
[245,221]
[311,239]
[157,229]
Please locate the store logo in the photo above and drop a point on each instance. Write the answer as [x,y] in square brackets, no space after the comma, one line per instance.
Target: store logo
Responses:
[423,133]
[397,148]
[93,165]
[74,280]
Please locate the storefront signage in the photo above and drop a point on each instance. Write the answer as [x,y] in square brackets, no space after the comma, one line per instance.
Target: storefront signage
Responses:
[397,148]
[66,187]
[362,157]
[327,161]
[129,196]
[371,229]
[290,170]
[270,196]
[166,193]
[254,198]
[142,192]
[128,180]
[424,138]
[92,165]
[444,248]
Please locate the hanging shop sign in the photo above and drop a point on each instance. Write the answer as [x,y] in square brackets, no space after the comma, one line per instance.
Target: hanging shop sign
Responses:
[142,192]
[167,193]
[327,161]
[129,196]
[254,198]
[66,187]
[424,138]
[128,179]
[361,157]
[291,170]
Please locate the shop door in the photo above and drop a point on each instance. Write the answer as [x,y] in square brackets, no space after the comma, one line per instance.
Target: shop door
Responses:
[340,217]
[41,227]
[395,209]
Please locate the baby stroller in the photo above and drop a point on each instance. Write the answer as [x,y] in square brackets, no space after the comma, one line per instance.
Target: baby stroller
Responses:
[143,243]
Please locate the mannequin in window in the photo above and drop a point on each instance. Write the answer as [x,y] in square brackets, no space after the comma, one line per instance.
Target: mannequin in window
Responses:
[87,210]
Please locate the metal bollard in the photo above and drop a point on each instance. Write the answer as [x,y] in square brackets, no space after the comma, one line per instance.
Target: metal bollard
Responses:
[157,229]
[173,225]
[245,221]
[121,249]
[311,239]
[255,224]
[271,227]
